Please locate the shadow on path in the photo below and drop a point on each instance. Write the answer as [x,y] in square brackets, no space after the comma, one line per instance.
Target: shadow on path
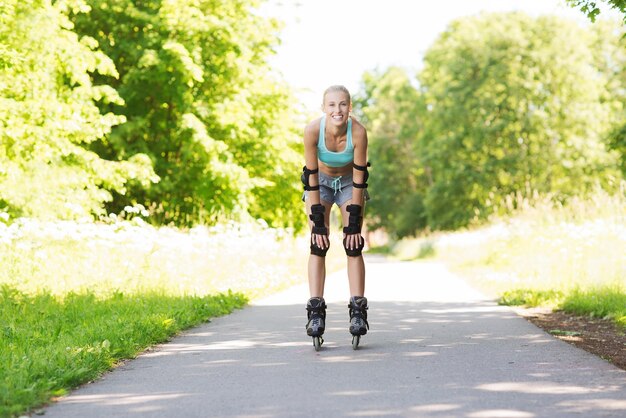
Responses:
[422,358]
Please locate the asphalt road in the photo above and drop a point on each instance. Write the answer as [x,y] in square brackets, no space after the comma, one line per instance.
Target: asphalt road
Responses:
[436,348]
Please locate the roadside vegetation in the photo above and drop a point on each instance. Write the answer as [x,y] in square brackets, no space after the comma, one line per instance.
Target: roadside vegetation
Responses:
[77,298]
[568,257]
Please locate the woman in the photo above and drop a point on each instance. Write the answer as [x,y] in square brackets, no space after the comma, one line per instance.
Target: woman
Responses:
[335,153]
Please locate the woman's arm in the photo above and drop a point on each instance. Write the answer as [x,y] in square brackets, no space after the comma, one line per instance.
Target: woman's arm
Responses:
[359,139]
[319,230]
[353,241]
[311,132]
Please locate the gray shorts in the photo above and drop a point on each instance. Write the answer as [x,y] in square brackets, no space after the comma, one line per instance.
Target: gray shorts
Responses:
[336,189]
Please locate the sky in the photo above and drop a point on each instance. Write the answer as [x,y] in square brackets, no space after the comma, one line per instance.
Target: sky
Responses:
[326,42]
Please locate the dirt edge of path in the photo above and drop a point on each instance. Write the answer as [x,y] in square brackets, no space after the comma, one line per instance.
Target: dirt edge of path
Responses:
[601,337]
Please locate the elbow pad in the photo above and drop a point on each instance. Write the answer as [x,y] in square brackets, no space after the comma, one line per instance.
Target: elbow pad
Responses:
[365,176]
[306,173]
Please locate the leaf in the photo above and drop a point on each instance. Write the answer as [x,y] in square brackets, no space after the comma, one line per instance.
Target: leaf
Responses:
[565,333]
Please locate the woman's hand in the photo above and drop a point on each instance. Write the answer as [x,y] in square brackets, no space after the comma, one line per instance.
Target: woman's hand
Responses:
[353,241]
[320,240]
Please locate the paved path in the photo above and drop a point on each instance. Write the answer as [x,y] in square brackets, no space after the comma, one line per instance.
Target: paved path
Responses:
[436,349]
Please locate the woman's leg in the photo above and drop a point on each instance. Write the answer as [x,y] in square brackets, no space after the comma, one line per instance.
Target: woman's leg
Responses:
[317,264]
[356,265]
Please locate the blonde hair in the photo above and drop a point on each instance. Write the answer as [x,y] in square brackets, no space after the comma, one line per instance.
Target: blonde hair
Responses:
[336,87]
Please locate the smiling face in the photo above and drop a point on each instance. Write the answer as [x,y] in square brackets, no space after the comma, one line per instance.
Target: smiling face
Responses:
[337,105]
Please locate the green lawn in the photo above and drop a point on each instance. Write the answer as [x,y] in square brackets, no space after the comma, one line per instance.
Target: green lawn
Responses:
[76,298]
[51,344]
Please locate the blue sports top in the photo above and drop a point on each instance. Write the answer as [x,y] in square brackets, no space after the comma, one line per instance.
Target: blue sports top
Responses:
[331,158]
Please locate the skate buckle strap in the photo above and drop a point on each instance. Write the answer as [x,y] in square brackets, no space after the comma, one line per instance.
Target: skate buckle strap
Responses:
[319,310]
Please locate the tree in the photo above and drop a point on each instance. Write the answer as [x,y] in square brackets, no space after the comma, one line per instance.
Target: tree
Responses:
[48,116]
[609,50]
[393,111]
[514,106]
[202,102]
[591,9]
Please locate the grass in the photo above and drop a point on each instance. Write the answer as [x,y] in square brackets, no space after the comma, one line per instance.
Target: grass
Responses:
[608,302]
[77,298]
[604,302]
[51,345]
[565,257]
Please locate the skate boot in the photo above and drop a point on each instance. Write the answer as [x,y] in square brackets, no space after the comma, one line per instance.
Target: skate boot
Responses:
[358,319]
[316,315]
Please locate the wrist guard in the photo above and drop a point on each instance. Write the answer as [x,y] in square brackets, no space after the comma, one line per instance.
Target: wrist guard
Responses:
[354,227]
[319,228]
[354,221]
[317,216]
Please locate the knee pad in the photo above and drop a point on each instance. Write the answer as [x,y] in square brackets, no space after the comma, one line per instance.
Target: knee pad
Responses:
[355,252]
[315,250]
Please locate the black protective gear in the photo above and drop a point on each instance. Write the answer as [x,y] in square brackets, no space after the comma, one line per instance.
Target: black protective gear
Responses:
[317,216]
[354,227]
[305,179]
[365,176]
[354,220]
[315,250]
[319,228]
[354,252]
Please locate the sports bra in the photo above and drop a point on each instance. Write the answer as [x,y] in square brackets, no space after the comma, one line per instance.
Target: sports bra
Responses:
[331,158]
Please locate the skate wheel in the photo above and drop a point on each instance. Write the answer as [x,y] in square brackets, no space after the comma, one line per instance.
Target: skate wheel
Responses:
[317,343]
[355,341]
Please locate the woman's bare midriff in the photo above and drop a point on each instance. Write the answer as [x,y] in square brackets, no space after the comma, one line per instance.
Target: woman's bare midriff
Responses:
[335,171]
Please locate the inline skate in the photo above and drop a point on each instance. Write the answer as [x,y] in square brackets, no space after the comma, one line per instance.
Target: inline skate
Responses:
[316,315]
[358,319]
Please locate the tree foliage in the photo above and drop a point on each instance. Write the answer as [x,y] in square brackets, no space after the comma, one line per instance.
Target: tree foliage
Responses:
[609,49]
[166,103]
[513,105]
[591,9]
[48,116]
[393,111]
[202,103]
